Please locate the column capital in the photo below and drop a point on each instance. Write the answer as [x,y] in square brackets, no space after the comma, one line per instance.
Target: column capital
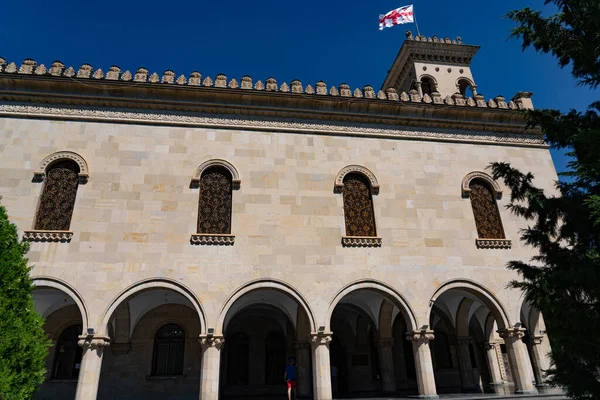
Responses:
[490,345]
[420,336]
[207,341]
[385,342]
[93,342]
[512,333]
[302,344]
[537,339]
[319,338]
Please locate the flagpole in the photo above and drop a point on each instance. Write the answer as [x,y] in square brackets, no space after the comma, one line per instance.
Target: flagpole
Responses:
[416,23]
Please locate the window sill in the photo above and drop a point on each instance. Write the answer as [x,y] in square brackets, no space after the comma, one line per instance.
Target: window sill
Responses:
[493,243]
[215,239]
[48,236]
[361,241]
[165,377]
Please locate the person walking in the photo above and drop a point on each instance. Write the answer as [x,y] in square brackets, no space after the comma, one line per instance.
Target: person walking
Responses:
[290,378]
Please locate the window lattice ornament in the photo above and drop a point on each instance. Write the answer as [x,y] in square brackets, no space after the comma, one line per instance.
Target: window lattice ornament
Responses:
[485,210]
[358,206]
[58,197]
[214,208]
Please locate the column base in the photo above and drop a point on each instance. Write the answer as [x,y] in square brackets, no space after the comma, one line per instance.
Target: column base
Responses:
[526,391]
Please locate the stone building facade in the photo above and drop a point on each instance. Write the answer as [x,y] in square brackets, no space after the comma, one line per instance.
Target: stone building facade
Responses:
[189,235]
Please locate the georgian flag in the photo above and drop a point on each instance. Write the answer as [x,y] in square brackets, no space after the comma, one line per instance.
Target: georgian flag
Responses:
[402,15]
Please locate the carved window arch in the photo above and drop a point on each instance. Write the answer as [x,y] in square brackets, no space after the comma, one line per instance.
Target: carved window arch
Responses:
[483,191]
[67,360]
[358,184]
[428,85]
[463,85]
[169,345]
[216,180]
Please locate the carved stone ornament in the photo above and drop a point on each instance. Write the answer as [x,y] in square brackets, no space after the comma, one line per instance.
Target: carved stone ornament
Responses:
[27,67]
[466,182]
[207,341]
[221,81]
[195,79]
[321,87]
[536,339]
[320,338]
[168,77]
[339,179]
[93,342]
[40,70]
[47,236]
[85,71]
[233,84]
[236,183]
[420,336]
[493,243]
[113,73]
[208,82]
[296,86]
[57,68]
[40,173]
[361,241]
[512,334]
[216,239]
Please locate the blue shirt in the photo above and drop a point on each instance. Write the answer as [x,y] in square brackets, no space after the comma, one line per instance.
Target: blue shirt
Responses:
[290,370]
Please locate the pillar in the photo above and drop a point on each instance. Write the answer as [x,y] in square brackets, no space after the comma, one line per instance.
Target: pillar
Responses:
[423,364]
[211,361]
[303,366]
[492,349]
[517,359]
[321,365]
[91,364]
[465,366]
[419,88]
[386,365]
[539,360]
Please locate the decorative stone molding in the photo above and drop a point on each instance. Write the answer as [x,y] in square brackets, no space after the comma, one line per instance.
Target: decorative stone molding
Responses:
[47,236]
[512,334]
[93,342]
[493,243]
[273,123]
[339,179]
[207,341]
[361,241]
[215,162]
[212,239]
[536,340]
[424,336]
[320,338]
[40,174]
[466,190]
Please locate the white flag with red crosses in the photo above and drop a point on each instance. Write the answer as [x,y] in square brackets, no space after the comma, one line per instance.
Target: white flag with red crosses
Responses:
[402,15]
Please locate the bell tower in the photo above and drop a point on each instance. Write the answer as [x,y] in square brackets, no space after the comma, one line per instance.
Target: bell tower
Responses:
[430,65]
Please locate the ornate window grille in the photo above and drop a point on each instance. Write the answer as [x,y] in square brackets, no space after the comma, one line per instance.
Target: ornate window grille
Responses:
[358,206]
[169,346]
[58,197]
[214,208]
[485,211]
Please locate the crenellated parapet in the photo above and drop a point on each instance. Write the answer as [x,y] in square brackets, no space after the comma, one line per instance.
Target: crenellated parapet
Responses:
[320,88]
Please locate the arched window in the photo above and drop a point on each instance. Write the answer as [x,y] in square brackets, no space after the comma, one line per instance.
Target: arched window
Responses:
[67,360]
[58,197]
[214,209]
[169,345]
[485,210]
[441,351]
[427,85]
[464,86]
[358,206]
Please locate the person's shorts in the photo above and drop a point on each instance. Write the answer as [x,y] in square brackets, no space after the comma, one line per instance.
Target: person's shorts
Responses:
[291,384]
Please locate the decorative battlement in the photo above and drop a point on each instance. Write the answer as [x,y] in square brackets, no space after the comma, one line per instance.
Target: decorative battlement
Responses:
[195,79]
[434,39]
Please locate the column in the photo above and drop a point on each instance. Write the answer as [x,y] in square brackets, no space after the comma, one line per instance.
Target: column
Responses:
[423,364]
[303,366]
[517,353]
[419,88]
[211,361]
[539,360]
[465,366]
[386,365]
[321,365]
[491,350]
[91,364]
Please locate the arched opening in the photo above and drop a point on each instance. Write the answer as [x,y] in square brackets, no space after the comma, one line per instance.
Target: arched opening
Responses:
[470,355]
[57,201]
[465,87]
[485,210]
[214,204]
[369,349]
[263,328]
[154,329]
[428,85]
[64,323]
[536,340]
[358,206]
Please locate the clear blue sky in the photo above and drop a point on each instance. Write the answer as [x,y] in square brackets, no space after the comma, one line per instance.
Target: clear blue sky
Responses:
[332,40]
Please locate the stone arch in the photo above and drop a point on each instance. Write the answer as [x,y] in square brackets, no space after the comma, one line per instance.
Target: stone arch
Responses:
[386,321]
[481,293]
[434,83]
[147,284]
[270,284]
[465,186]
[216,162]
[40,174]
[46,281]
[339,179]
[386,291]
[463,83]
[462,317]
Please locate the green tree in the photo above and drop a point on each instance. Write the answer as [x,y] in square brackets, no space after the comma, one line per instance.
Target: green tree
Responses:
[563,281]
[23,343]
